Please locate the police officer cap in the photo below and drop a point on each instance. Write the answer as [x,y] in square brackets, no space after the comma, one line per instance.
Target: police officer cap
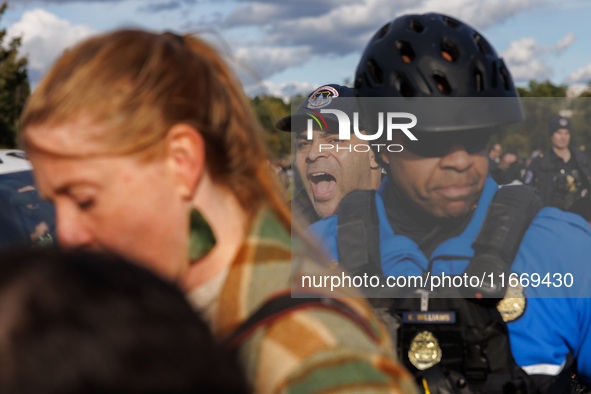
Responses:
[510,150]
[325,97]
[559,122]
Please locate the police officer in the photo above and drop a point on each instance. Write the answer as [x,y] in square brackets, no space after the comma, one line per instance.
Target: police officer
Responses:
[509,168]
[328,167]
[438,212]
[494,157]
[561,174]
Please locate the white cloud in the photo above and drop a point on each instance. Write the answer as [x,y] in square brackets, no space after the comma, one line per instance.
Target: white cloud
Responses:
[45,36]
[292,34]
[478,13]
[266,61]
[344,27]
[576,89]
[294,30]
[582,75]
[340,30]
[524,57]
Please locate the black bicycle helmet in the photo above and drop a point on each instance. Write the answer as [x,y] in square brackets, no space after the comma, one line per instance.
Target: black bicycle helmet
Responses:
[434,55]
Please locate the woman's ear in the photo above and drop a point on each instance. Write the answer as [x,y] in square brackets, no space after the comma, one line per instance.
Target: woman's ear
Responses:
[185,157]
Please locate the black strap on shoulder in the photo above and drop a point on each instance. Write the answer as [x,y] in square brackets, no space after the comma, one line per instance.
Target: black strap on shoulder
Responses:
[584,163]
[563,383]
[508,217]
[283,304]
[358,234]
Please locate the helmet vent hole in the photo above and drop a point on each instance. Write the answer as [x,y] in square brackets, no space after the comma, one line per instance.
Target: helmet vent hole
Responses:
[480,43]
[383,31]
[442,83]
[495,79]
[454,24]
[358,83]
[449,50]
[478,80]
[406,52]
[404,88]
[375,71]
[504,78]
[415,26]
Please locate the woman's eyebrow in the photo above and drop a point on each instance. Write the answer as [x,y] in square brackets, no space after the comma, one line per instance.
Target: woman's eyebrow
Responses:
[67,188]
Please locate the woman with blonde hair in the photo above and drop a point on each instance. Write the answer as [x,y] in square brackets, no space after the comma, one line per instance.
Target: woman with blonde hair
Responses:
[140,139]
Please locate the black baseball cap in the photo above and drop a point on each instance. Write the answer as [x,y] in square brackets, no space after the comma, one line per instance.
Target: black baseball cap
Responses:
[327,97]
[559,122]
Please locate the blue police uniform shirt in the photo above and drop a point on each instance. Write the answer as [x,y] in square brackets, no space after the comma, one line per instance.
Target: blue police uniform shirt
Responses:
[556,320]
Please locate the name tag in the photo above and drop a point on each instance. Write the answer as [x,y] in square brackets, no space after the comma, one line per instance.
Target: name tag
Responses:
[429,317]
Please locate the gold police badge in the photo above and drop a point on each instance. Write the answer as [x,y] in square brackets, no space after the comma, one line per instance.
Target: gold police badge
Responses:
[424,351]
[570,182]
[513,305]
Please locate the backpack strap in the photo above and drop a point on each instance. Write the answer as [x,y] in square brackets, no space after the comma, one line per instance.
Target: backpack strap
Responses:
[508,217]
[358,234]
[282,304]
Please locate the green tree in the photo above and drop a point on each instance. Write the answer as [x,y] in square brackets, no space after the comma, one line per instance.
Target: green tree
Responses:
[269,110]
[14,87]
[541,101]
[542,89]
[581,121]
[587,92]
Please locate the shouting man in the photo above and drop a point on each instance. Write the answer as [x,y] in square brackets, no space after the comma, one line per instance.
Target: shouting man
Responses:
[329,168]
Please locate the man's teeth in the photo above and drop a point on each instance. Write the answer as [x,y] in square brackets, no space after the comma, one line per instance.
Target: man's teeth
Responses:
[319,173]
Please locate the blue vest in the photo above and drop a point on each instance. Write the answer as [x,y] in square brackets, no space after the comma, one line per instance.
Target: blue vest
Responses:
[556,320]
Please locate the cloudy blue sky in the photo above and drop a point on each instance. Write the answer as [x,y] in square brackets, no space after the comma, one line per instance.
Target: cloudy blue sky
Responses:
[283,47]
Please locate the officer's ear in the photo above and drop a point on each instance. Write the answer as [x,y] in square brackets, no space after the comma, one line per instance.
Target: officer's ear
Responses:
[373,162]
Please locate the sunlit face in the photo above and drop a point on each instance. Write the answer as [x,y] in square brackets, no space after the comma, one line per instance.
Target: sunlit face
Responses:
[115,203]
[508,159]
[329,175]
[446,186]
[561,138]
[495,151]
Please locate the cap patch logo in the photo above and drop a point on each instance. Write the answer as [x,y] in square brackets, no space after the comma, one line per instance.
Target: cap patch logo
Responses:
[318,121]
[322,97]
[563,122]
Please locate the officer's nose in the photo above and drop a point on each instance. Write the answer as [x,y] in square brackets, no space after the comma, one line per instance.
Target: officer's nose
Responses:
[71,232]
[317,151]
[457,159]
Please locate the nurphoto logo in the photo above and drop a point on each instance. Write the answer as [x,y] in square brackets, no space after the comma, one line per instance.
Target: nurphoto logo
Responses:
[345,129]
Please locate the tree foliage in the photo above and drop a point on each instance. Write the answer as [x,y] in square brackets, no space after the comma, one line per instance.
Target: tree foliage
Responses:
[14,87]
[542,89]
[581,120]
[542,101]
[269,110]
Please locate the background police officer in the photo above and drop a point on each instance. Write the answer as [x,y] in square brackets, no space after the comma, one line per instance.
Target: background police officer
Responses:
[561,174]
[509,168]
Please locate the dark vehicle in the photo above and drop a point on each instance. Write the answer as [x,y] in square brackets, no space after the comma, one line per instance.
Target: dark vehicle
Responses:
[25,219]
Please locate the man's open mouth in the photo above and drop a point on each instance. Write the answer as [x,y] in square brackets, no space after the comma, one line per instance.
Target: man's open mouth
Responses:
[323,184]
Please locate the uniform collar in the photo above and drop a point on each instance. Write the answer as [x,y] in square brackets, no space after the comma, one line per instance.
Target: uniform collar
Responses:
[460,246]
